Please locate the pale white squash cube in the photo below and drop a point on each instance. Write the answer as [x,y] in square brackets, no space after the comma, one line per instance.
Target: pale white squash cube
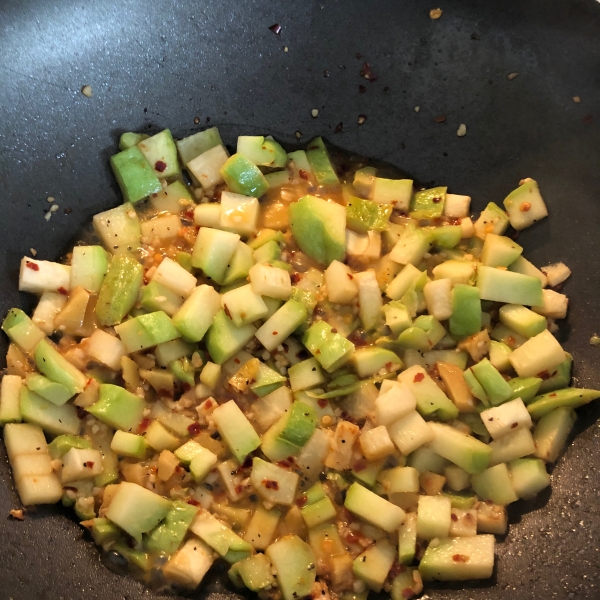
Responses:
[206,168]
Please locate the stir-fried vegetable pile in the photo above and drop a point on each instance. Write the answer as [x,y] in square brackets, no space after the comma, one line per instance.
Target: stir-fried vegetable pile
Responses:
[332,381]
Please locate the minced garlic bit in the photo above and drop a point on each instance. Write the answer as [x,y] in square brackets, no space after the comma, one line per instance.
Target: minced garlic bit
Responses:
[48,216]
[33,251]
[86,90]
[576,99]
[285,48]
[314,113]
[50,199]
[462,130]
[595,340]
[435,13]
[298,135]
[54,208]
[17,513]
[361,119]
[511,76]
[196,360]
[417,108]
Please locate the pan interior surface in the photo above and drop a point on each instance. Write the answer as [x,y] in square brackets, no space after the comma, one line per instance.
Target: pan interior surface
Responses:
[189,66]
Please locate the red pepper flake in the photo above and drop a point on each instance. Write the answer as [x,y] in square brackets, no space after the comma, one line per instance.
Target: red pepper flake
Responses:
[89,464]
[193,502]
[357,339]
[236,361]
[408,593]
[189,214]
[525,207]
[419,377]
[303,174]
[362,89]
[194,428]
[553,395]
[239,489]
[144,425]
[367,73]
[360,465]
[396,570]
[296,277]
[61,290]
[226,309]
[361,119]
[514,425]
[352,538]
[436,200]
[160,165]
[440,118]
[275,333]
[544,375]
[301,501]
[587,119]
[32,266]
[338,127]
[270,484]
[284,463]
[322,402]
[460,558]
[209,402]
[275,28]
[454,517]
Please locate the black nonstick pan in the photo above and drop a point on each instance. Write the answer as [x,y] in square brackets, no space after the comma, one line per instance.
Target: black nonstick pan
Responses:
[188,65]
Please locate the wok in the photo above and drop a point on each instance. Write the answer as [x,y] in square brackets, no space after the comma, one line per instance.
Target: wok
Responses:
[185,65]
